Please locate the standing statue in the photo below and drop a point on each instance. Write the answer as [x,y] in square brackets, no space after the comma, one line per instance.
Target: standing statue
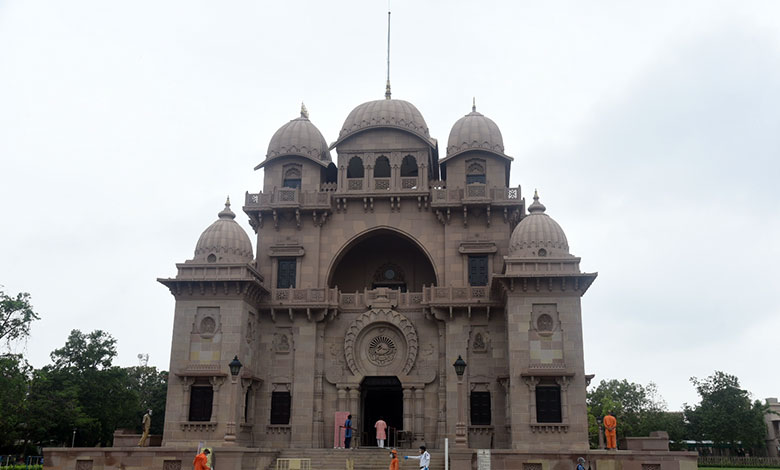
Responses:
[610,430]
[147,423]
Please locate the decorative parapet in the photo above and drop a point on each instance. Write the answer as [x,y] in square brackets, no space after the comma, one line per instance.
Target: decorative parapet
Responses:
[321,297]
[549,428]
[280,198]
[466,295]
[198,426]
[475,193]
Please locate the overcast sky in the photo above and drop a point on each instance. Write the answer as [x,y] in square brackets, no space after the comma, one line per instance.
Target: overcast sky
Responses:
[652,131]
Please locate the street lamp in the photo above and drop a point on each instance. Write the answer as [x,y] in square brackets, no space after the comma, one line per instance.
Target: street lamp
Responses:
[235,366]
[230,432]
[460,426]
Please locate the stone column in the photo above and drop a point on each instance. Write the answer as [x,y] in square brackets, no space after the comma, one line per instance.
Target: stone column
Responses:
[354,407]
[305,344]
[318,437]
[407,409]
[341,391]
[563,382]
[419,414]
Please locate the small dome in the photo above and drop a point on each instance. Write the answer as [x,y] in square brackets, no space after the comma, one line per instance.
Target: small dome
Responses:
[538,235]
[397,114]
[299,137]
[224,241]
[474,131]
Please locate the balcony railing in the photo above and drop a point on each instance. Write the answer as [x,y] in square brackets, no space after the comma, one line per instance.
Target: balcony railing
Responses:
[288,197]
[332,297]
[475,192]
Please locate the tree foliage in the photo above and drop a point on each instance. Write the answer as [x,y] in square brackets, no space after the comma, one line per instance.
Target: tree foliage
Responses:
[16,315]
[726,414]
[639,410]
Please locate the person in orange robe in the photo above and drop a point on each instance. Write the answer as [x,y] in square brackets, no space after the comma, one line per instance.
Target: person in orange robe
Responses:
[610,430]
[201,461]
[394,461]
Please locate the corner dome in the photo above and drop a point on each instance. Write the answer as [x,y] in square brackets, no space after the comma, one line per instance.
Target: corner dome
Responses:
[224,241]
[538,235]
[397,114]
[301,138]
[475,131]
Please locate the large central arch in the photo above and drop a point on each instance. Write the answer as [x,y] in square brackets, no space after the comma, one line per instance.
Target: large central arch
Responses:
[382,257]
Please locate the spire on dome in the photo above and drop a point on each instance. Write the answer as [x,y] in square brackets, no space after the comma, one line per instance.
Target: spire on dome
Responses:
[387,90]
[304,111]
[536,206]
[473,104]
[226,213]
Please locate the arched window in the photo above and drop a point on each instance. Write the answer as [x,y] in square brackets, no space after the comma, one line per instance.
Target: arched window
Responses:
[331,173]
[408,166]
[475,171]
[355,168]
[292,177]
[382,168]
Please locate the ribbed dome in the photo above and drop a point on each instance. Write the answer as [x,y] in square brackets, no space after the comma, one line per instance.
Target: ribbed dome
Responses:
[224,241]
[299,137]
[398,114]
[538,235]
[474,131]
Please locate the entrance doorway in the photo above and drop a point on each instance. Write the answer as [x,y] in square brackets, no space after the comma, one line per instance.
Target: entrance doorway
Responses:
[381,397]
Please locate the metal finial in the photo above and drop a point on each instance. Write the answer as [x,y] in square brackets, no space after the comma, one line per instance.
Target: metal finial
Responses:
[474,104]
[536,195]
[387,87]
[227,202]
[304,111]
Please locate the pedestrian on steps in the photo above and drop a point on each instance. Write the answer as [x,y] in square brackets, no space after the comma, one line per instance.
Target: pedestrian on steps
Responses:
[381,433]
[393,459]
[424,458]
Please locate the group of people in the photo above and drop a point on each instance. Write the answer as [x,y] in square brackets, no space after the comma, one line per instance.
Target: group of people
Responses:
[381,435]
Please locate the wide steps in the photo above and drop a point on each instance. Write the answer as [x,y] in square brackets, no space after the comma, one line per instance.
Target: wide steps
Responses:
[371,458]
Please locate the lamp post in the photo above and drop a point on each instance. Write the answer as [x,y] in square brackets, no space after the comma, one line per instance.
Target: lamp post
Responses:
[230,433]
[460,426]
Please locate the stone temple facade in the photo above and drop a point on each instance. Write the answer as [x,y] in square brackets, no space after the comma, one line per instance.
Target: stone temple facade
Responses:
[378,264]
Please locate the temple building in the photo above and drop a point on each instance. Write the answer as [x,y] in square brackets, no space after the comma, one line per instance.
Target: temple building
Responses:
[377,265]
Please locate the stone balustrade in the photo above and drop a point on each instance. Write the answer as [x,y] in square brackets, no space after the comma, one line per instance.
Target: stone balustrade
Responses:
[475,193]
[321,297]
[288,197]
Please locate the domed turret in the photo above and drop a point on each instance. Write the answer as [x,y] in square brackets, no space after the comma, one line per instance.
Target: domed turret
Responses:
[224,241]
[301,138]
[474,131]
[538,235]
[385,113]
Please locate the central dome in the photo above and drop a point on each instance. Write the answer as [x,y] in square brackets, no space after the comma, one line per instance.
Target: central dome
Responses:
[385,113]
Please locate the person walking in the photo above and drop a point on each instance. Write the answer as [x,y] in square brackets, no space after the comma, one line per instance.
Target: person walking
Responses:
[147,423]
[381,432]
[348,432]
[201,461]
[393,460]
[424,458]
[610,431]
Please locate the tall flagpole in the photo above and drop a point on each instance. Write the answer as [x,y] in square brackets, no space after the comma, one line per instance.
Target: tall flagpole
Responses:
[387,87]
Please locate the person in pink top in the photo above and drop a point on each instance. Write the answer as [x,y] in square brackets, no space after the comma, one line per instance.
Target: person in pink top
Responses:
[381,434]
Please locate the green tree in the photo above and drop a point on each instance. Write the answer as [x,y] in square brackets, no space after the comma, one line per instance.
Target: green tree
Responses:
[84,352]
[151,386]
[726,414]
[16,314]
[638,408]
[13,390]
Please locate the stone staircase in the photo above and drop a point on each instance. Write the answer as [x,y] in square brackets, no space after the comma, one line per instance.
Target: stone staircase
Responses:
[367,458]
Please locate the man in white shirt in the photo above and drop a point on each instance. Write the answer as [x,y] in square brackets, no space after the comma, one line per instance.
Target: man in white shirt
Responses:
[424,458]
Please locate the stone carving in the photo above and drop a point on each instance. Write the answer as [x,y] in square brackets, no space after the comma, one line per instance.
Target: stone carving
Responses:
[282,341]
[172,465]
[532,466]
[544,323]
[479,342]
[208,325]
[372,317]
[83,465]
[381,350]
[250,331]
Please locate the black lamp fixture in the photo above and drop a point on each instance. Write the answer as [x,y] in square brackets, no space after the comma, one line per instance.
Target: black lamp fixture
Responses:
[460,366]
[235,366]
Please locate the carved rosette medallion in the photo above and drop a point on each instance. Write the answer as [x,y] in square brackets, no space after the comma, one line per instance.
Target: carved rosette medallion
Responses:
[381,350]
[381,341]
